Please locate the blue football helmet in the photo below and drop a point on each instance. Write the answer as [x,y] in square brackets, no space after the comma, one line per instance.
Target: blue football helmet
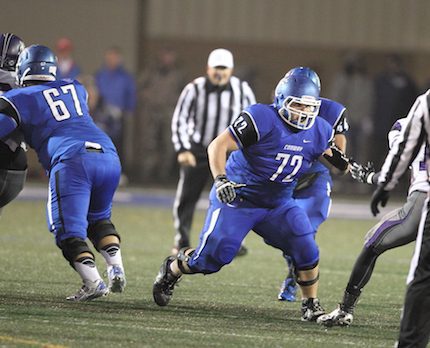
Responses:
[11,47]
[307,72]
[36,63]
[297,101]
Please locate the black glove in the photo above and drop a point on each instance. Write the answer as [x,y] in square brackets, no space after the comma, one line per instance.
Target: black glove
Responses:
[379,196]
[225,189]
[362,173]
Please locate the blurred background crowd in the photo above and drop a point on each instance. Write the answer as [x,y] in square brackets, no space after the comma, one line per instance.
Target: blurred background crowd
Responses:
[135,56]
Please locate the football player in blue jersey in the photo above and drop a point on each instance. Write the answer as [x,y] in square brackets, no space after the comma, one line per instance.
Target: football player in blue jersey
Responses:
[313,189]
[13,160]
[271,147]
[81,161]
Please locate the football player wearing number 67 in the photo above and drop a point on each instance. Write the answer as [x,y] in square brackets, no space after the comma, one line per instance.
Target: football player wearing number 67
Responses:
[81,161]
[271,147]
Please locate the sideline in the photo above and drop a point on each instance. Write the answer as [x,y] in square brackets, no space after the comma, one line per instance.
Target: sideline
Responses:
[342,208]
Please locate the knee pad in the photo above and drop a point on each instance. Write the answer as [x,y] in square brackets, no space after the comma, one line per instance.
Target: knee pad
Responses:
[72,247]
[226,251]
[299,222]
[100,229]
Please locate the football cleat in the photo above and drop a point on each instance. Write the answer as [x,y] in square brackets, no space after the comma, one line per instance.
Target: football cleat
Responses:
[88,293]
[338,317]
[288,290]
[311,309]
[162,289]
[116,278]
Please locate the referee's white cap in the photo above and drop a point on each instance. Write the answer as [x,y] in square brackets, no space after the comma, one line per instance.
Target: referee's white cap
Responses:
[220,57]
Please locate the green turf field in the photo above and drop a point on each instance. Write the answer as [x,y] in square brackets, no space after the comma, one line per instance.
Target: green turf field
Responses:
[236,307]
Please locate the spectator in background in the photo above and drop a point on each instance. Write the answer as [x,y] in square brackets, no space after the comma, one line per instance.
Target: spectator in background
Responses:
[67,67]
[117,91]
[159,87]
[395,92]
[354,88]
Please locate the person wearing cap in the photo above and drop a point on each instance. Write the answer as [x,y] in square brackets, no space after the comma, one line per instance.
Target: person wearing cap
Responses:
[67,67]
[206,107]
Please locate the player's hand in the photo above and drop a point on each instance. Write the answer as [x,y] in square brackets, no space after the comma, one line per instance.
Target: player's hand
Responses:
[225,189]
[379,196]
[187,159]
[362,173]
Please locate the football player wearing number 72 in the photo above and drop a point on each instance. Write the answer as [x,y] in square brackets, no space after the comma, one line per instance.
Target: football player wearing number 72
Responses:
[271,147]
[82,164]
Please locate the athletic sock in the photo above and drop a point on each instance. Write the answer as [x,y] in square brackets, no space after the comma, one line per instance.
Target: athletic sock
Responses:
[112,254]
[86,268]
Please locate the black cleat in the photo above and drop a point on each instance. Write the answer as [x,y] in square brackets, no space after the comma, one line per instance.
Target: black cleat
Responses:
[311,309]
[162,290]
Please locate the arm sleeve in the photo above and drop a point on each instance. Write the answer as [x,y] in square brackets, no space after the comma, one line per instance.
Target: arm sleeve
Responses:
[408,143]
[244,130]
[181,117]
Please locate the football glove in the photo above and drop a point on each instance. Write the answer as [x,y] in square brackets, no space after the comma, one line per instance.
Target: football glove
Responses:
[362,173]
[379,196]
[225,189]
[338,159]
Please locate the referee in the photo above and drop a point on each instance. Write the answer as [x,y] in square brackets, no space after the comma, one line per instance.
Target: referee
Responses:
[415,323]
[205,108]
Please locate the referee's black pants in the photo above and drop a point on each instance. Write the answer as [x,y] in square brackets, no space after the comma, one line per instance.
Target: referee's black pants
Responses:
[192,181]
[415,324]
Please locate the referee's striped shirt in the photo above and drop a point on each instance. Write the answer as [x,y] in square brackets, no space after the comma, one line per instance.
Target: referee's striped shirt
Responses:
[204,111]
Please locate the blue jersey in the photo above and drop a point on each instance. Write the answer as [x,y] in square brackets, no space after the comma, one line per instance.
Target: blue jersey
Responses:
[333,113]
[55,121]
[272,155]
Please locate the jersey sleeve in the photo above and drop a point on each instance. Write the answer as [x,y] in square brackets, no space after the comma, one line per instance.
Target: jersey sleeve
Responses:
[335,114]
[244,130]
[342,126]
[394,133]
[411,137]
[250,126]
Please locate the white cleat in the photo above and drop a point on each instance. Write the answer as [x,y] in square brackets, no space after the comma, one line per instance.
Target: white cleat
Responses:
[90,291]
[116,278]
[338,317]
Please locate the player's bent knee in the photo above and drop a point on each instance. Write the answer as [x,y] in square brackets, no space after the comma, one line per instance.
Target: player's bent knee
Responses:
[226,251]
[214,256]
[72,248]
[100,229]
[300,223]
